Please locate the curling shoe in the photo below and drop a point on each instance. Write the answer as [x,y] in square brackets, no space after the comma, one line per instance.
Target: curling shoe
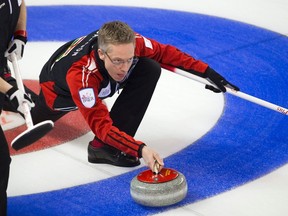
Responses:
[110,155]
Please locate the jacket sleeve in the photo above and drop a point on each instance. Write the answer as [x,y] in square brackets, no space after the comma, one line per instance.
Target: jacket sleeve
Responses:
[84,84]
[168,55]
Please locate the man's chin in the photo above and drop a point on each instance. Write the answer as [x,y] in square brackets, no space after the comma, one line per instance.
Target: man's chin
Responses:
[120,79]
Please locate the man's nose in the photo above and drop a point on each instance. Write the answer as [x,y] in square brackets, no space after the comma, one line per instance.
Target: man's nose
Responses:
[125,66]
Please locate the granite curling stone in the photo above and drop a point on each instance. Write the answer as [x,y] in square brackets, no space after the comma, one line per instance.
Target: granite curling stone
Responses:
[162,189]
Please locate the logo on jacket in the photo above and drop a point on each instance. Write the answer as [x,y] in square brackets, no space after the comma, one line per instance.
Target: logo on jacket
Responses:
[87,97]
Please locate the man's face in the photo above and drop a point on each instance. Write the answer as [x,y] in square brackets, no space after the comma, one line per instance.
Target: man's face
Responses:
[117,60]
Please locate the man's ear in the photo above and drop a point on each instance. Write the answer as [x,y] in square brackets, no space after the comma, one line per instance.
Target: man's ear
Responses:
[101,54]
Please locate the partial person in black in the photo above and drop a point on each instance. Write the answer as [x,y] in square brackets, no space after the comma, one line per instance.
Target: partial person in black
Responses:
[12,40]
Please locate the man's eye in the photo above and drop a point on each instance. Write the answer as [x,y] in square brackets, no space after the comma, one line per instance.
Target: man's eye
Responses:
[118,61]
[130,60]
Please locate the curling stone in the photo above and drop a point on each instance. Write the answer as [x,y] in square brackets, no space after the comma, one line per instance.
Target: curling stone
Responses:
[158,189]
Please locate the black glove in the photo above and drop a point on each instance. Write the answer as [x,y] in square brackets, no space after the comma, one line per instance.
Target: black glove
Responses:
[17,45]
[17,99]
[218,80]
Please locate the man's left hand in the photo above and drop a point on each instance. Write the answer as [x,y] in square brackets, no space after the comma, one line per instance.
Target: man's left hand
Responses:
[218,80]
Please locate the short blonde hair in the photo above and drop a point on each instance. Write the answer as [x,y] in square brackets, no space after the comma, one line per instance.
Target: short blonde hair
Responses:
[115,32]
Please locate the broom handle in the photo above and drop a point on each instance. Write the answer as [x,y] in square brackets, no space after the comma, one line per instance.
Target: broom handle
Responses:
[19,81]
[230,91]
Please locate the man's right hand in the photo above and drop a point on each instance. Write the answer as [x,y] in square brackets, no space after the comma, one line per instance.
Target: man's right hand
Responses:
[151,158]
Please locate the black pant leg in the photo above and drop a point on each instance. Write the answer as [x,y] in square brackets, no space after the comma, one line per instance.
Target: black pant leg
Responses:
[131,105]
[41,112]
[4,167]
[4,177]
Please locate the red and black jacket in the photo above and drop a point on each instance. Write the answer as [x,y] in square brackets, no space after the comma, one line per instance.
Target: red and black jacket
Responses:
[75,78]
